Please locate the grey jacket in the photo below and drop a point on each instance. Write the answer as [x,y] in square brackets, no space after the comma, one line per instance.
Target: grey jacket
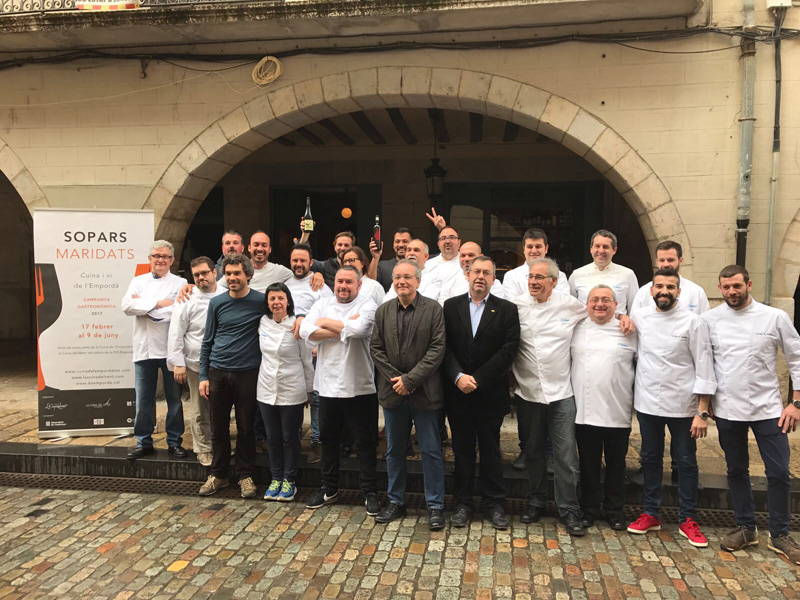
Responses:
[427,347]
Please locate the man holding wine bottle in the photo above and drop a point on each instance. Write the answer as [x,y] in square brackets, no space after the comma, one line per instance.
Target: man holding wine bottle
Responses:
[381,270]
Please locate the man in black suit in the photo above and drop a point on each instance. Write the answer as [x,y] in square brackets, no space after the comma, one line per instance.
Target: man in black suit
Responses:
[482,339]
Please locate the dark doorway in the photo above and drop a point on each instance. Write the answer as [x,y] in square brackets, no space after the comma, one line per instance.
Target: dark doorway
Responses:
[204,237]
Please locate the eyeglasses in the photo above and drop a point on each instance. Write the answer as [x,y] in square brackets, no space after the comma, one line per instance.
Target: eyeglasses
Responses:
[161,256]
[485,273]
[403,277]
[601,301]
[539,277]
[350,261]
[201,274]
[448,238]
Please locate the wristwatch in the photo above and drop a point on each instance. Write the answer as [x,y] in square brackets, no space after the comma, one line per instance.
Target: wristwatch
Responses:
[796,403]
[703,414]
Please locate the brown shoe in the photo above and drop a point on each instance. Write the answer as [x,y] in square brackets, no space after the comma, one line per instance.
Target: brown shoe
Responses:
[247,487]
[262,447]
[315,455]
[205,458]
[213,484]
[784,544]
[739,538]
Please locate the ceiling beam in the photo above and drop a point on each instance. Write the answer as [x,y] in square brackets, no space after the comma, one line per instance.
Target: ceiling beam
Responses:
[436,115]
[336,132]
[401,126]
[284,141]
[475,127]
[362,120]
[317,141]
[511,132]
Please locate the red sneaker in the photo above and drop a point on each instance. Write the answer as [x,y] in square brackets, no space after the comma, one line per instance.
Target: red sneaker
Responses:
[644,524]
[691,531]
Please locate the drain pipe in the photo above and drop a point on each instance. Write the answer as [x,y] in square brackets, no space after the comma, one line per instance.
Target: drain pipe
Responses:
[780,15]
[747,119]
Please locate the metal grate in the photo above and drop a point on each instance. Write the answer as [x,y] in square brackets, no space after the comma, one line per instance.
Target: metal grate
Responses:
[515,506]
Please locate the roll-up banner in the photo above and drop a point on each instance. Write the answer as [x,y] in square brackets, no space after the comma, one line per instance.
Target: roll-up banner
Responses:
[84,262]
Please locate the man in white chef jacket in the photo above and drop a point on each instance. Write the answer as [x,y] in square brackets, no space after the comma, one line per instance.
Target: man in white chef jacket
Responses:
[602,380]
[545,401]
[534,245]
[674,381]
[186,330]
[746,336]
[431,284]
[304,297]
[150,300]
[341,328]
[602,269]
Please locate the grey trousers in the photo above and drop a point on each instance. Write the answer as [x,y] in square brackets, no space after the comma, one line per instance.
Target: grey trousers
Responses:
[557,419]
[200,420]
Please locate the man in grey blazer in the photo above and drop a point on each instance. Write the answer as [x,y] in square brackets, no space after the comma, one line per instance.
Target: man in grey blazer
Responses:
[407,348]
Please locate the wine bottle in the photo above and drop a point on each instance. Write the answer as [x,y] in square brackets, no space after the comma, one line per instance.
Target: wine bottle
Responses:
[308,220]
[376,232]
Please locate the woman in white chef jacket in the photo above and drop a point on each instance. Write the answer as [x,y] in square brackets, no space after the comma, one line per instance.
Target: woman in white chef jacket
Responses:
[285,381]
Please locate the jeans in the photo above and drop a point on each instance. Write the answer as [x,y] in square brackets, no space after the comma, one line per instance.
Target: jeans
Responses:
[593,443]
[773,445]
[145,382]
[398,427]
[314,417]
[337,418]
[259,428]
[470,424]
[652,430]
[232,389]
[558,420]
[283,424]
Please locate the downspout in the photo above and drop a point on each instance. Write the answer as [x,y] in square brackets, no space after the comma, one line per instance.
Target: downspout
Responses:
[780,15]
[747,119]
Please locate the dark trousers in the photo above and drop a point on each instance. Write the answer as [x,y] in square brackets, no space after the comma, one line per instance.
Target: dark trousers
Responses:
[337,417]
[232,389]
[469,424]
[259,427]
[652,429]
[593,443]
[283,438]
[774,448]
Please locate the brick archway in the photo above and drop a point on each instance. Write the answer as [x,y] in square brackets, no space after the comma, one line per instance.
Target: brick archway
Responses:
[202,163]
[22,181]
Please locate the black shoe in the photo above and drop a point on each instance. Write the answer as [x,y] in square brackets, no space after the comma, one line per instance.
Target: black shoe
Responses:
[617,522]
[321,497]
[372,504]
[574,526]
[461,517]
[139,452]
[587,521]
[498,518]
[519,463]
[532,514]
[435,519]
[178,451]
[391,513]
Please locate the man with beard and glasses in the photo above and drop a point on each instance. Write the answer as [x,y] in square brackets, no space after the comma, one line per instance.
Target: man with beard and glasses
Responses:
[230,358]
[746,336]
[304,298]
[183,351]
[674,382]
[231,244]
[340,328]
[381,270]
[446,262]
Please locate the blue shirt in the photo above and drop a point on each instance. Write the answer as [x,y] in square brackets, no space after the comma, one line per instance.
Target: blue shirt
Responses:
[476,312]
[230,342]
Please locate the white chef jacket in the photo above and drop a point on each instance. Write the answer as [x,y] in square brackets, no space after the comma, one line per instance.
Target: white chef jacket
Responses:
[263,278]
[515,282]
[373,289]
[286,376]
[186,330]
[344,366]
[430,285]
[745,344]
[302,294]
[675,363]
[603,374]
[151,325]
[692,298]
[621,279]
[542,365]
[457,286]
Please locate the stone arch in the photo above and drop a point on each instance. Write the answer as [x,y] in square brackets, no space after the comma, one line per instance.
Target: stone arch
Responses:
[27,188]
[202,163]
[787,263]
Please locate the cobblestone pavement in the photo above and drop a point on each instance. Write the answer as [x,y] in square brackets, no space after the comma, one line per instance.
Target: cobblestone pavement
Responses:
[89,544]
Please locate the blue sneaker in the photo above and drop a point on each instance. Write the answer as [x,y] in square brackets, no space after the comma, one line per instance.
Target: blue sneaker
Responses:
[273,490]
[288,490]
